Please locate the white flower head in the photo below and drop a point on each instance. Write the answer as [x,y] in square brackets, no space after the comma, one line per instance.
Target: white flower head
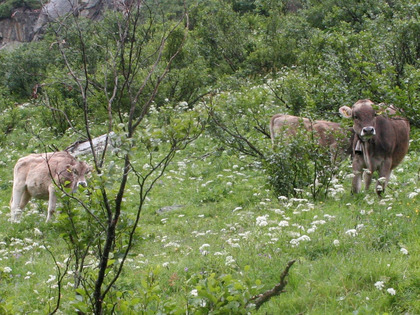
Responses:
[412,195]
[311,230]
[229,261]
[284,223]
[352,232]
[7,269]
[51,279]
[204,246]
[391,291]
[379,285]
[404,251]
[336,242]
[262,220]
[194,292]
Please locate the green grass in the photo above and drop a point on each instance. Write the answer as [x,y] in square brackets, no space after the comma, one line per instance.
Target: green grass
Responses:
[228,220]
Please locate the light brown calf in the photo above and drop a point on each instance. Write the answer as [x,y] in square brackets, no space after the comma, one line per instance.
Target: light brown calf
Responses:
[37,176]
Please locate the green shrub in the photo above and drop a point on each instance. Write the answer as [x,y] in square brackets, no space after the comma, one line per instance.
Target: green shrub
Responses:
[7,7]
[300,164]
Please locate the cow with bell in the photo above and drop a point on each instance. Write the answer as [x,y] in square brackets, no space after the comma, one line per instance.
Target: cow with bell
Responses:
[380,144]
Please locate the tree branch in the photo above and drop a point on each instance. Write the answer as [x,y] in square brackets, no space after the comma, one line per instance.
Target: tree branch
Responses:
[260,299]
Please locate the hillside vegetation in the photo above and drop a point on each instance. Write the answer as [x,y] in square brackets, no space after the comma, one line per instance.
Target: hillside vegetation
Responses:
[192,211]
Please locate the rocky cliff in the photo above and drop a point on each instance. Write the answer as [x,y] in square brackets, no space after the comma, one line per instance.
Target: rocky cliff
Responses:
[27,25]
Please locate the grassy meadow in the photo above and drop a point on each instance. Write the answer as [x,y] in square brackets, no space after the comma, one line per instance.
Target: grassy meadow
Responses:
[227,236]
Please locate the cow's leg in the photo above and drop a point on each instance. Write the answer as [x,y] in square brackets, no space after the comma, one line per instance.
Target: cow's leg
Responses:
[52,202]
[384,174]
[17,196]
[367,177]
[358,165]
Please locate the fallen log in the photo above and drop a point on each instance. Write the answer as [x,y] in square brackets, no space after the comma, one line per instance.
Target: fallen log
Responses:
[99,144]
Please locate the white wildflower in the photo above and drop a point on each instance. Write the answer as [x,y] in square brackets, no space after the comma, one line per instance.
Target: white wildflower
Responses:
[296,241]
[7,269]
[391,291]
[329,217]
[351,232]
[412,195]
[262,220]
[204,246]
[311,230]
[379,285]
[404,251]
[284,223]
[229,261]
[194,292]
[51,279]
[172,244]
[304,238]
[37,232]
[336,242]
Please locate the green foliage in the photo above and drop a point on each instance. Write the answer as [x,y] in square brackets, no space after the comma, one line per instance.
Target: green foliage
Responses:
[25,67]
[298,163]
[224,42]
[8,6]
[223,294]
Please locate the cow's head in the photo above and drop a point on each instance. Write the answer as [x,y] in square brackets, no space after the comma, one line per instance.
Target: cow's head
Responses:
[80,171]
[75,175]
[364,118]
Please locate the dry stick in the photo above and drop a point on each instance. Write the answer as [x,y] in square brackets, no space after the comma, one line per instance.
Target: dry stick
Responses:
[260,299]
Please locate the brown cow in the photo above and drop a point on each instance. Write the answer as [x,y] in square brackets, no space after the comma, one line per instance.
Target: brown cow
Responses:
[37,175]
[330,134]
[380,144]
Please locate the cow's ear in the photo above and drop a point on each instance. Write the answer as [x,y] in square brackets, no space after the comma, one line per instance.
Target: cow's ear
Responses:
[345,111]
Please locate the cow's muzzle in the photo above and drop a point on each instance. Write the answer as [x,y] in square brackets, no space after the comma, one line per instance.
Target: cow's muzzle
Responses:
[82,183]
[367,132]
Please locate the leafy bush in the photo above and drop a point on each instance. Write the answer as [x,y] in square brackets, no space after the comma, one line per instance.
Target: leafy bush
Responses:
[7,6]
[300,162]
[25,67]
[223,294]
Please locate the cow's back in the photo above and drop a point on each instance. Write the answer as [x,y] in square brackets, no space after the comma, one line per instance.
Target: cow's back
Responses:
[288,124]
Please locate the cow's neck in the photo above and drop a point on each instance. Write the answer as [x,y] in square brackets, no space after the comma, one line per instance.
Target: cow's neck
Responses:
[364,147]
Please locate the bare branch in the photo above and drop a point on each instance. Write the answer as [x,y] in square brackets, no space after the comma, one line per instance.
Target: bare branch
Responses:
[260,299]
